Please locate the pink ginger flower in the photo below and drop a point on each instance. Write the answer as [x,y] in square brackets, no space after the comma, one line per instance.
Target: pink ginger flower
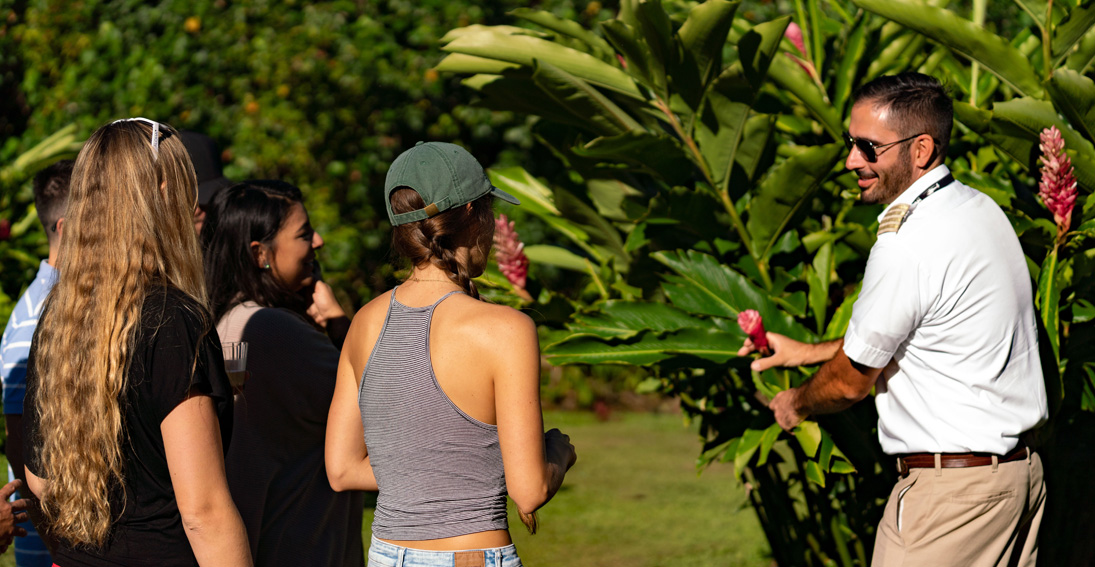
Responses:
[510,253]
[750,322]
[1058,185]
[794,34]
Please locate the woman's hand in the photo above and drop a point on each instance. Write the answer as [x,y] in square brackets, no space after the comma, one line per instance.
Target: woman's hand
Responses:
[325,306]
[560,451]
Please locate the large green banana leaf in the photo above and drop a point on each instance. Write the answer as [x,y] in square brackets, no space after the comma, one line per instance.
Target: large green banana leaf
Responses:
[626,319]
[1071,31]
[784,191]
[515,91]
[704,35]
[523,49]
[582,100]
[570,28]
[702,285]
[964,37]
[716,346]
[789,77]
[1074,95]
[659,155]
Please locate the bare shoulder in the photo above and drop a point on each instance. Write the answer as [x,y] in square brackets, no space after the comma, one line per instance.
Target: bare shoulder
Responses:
[377,304]
[495,340]
[374,309]
[365,328]
[491,319]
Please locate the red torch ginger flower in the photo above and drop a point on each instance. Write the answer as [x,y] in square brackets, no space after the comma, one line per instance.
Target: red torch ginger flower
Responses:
[509,251]
[1058,185]
[750,322]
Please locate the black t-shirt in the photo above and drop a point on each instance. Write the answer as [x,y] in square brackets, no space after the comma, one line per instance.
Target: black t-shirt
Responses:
[148,529]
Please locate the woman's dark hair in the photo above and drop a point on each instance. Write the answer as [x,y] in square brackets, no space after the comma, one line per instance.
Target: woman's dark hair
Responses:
[436,239]
[253,210]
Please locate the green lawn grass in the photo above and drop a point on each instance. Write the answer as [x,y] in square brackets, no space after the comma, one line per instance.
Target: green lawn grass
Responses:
[634,498]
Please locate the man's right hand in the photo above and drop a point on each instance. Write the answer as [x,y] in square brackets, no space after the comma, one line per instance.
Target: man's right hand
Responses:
[787,352]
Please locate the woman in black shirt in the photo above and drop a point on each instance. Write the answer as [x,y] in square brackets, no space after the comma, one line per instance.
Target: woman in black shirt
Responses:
[128,407]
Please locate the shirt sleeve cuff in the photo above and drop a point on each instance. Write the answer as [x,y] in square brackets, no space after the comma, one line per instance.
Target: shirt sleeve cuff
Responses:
[859,351]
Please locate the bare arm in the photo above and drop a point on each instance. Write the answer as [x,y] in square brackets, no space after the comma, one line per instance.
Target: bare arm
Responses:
[345,453]
[535,462]
[195,458]
[35,483]
[837,385]
[789,352]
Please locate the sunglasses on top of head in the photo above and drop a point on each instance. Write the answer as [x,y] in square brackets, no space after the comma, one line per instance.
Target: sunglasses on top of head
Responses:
[159,132]
[869,149]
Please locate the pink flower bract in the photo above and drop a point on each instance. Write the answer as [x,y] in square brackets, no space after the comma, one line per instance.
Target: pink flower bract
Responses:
[510,252]
[794,33]
[750,322]
[1058,185]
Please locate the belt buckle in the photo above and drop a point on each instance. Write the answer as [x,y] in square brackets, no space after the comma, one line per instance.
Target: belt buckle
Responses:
[902,468]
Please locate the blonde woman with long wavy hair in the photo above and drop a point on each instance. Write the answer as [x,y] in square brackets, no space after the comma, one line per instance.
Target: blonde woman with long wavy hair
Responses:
[128,407]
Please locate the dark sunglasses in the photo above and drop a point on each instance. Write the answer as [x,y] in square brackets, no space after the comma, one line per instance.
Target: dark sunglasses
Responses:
[871,150]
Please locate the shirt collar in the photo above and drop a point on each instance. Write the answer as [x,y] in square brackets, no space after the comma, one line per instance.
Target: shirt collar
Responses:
[46,273]
[909,195]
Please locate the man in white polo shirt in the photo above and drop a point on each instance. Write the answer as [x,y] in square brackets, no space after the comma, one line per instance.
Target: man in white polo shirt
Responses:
[944,328]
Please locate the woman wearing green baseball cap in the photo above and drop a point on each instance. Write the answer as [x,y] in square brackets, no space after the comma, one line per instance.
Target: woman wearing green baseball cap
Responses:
[437,401]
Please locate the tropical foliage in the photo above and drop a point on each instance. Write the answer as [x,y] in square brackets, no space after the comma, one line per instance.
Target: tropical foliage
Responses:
[321,94]
[704,178]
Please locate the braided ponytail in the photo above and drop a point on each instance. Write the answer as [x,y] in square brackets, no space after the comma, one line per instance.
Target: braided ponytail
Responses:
[436,240]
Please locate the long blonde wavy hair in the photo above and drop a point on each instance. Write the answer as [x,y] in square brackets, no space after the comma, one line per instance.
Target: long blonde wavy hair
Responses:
[128,230]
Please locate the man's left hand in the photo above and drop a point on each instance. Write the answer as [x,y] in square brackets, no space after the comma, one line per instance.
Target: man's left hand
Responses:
[785,406]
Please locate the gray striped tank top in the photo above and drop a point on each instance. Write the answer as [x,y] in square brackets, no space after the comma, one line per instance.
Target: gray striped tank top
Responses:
[439,469]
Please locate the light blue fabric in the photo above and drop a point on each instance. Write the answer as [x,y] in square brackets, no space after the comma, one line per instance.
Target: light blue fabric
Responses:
[30,551]
[15,344]
[383,554]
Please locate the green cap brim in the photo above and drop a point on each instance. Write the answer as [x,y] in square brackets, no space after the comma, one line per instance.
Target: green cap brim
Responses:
[504,196]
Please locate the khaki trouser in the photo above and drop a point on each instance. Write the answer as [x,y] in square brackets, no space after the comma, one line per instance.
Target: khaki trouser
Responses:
[968,517]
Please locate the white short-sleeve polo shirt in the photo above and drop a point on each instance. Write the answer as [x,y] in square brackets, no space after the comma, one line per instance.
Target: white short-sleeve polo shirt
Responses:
[946,310]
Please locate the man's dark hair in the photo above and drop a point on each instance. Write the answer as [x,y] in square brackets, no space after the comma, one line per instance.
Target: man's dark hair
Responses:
[51,194]
[250,211]
[918,104]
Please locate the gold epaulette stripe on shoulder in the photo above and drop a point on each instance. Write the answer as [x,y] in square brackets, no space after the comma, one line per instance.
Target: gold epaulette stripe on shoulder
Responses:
[893,219]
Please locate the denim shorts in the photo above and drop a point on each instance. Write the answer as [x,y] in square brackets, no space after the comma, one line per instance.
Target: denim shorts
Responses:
[383,554]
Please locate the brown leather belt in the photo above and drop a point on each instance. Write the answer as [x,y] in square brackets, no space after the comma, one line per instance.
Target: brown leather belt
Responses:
[956,460]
